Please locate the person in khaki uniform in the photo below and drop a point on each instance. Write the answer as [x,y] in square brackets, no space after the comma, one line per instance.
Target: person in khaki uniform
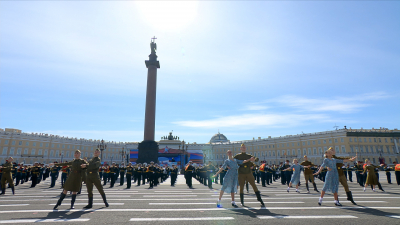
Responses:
[372,179]
[342,177]
[245,173]
[74,180]
[308,174]
[93,178]
[7,177]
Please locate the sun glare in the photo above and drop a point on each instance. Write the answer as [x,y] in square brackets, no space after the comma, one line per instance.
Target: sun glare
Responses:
[168,15]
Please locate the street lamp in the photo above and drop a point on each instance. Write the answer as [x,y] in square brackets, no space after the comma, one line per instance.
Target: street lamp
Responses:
[102,147]
[122,152]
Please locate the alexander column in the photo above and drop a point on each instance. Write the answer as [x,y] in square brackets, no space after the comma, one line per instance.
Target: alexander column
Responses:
[148,148]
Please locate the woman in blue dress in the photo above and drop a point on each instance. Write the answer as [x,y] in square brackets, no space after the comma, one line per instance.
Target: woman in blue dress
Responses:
[231,177]
[332,176]
[296,174]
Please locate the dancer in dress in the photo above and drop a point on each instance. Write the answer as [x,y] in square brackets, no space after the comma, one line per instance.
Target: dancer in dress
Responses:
[74,180]
[332,176]
[296,174]
[371,177]
[231,177]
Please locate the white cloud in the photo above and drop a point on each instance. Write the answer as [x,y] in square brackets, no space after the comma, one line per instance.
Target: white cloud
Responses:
[254,120]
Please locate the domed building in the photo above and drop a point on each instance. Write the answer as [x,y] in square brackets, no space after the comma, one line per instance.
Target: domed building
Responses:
[218,138]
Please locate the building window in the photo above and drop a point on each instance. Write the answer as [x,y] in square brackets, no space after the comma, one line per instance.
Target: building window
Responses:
[324,141]
[375,140]
[41,145]
[387,149]
[19,142]
[309,151]
[273,153]
[293,152]
[40,152]
[283,152]
[357,149]
[351,149]
[26,151]
[12,151]
[319,141]
[350,140]
[369,140]
[27,143]
[304,151]
[278,153]
[385,140]
[366,149]
[365,139]
[57,153]
[13,143]
[51,153]
[320,150]
[63,146]
[299,152]
[336,141]
[373,160]
[343,149]
[52,145]
[34,144]
[33,151]
[6,142]
[45,152]
[355,139]
[19,151]
[309,142]
[359,140]
[5,150]
[315,151]
[342,140]
[58,145]
[337,149]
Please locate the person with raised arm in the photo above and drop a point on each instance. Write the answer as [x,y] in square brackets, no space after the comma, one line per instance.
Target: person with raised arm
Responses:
[332,176]
[74,180]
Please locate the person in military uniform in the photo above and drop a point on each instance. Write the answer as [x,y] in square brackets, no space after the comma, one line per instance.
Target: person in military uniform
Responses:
[18,175]
[151,174]
[371,177]
[173,174]
[24,172]
[64,174]
[210,171]
[350,173]
[397,172]
[122,175]
[246,175]
[74,180]
[189,169]
[342,178]
[54,175]
[113,170]
[308,173]
[7,176]
[359,168]
[35,173]
[139,172]
[129,173]
[105,174]
[93,178]
[387,170]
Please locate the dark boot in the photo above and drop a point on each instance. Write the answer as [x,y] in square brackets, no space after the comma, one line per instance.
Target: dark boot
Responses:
[307,187]
[73,201]
[90,205]
[258,194]
[13,190]
[380,187]
[104,200]
[62,196]
[3,191]
[315,187]
[350,197]
[242,199]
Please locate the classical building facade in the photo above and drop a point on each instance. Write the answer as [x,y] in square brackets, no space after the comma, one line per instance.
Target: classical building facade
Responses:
[46,148]
[370,144]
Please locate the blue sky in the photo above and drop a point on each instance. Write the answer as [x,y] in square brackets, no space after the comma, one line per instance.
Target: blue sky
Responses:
[247,69]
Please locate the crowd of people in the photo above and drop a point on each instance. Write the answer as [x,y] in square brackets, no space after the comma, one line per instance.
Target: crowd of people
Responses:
[235,174]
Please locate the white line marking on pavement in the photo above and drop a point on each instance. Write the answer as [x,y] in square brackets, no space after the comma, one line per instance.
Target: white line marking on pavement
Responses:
[307,217]
[207,203]
[320,194]
[43,220]
[193,209]
[150,196]
[16,205]
[394,216]
[97,204]
[180,219]
[174,191]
